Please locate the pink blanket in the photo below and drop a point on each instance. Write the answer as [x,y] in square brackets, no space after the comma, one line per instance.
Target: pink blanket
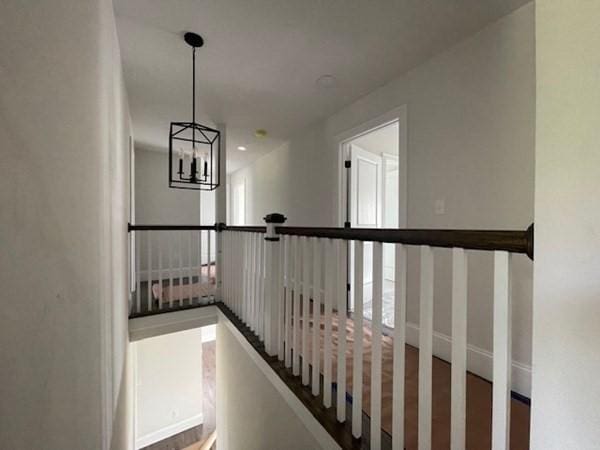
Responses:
[187,291]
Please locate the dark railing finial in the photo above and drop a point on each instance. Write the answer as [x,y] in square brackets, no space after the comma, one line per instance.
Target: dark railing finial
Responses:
[275,218]
[272,220]
[529,236]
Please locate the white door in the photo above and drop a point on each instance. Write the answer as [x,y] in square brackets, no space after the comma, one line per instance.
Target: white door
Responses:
[366,194]
[366,198]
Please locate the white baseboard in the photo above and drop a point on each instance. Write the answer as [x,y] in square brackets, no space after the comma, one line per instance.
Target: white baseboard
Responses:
[479,361]
[168,431]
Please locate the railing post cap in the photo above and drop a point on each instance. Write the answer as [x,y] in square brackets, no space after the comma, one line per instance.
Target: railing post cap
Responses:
[275,218]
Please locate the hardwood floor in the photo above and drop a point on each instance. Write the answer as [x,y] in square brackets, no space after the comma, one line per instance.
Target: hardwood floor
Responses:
[192,438]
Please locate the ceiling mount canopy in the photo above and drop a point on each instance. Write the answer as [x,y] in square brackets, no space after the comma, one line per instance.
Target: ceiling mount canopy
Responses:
[194,149]
[193,39]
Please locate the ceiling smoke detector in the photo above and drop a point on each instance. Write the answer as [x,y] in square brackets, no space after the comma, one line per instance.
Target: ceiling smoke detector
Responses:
[326,81]
[260,133]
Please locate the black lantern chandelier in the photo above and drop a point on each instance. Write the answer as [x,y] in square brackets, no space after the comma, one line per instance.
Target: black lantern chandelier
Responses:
[193,148]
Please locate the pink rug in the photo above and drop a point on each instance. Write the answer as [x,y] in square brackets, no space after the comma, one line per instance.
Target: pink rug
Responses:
[186,291]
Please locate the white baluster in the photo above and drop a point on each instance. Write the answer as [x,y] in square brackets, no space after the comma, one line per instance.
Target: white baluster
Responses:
[261,287]
[208,273]
[170,237]
[341,293]
[399,348]
[502,352]
[149,271]
[330,276]
[305,309]
[252,284]
[288,301]
[257,275]
[376,346]
[227,281]
[257,311]
[190,268]
[209,253]
[160,273]
[241,273]
[316,329]
[255,288]
[240,263]
[180,271]
[138,245]
[296,313]
[459,351]
[357,363]
[247,290]
[281,300]
[425,347]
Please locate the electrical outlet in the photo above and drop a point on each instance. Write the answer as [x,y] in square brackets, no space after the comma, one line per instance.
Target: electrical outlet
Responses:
[439,207]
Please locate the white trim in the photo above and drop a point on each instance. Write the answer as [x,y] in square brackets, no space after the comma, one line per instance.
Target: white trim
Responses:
[133,359]
[479,361]
[169,431]
[159,324]
[309,421]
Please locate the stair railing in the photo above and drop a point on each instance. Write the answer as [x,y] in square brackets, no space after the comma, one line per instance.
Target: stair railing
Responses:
[288,283]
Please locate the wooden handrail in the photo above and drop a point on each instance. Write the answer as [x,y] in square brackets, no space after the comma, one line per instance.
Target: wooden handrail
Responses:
[245,228]
[131,227]
[514,241]
[507,240]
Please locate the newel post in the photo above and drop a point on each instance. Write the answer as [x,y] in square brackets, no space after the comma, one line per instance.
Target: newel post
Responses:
[272,264]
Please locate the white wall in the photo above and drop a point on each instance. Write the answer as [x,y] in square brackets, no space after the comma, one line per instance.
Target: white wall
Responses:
[63,189]
[566,358]
[471,113]
[155,201]
[251,413]
[168,376]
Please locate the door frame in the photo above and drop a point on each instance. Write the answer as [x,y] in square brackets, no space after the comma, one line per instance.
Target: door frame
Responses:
[343,140]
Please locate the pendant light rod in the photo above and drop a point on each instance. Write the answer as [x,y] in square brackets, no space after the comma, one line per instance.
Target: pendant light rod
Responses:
[195,41]
[194,96]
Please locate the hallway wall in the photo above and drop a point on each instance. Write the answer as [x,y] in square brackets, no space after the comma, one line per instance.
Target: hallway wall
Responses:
[471,114]
[155,201]
[252,414]
[565,413]
[64,173]
[168,385]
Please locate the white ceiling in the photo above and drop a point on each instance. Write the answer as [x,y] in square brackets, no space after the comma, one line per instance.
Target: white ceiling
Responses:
[262,57]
